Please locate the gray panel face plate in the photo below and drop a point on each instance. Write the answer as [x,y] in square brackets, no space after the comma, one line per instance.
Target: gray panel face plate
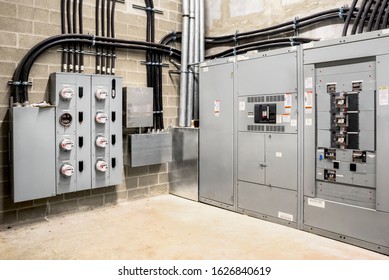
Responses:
[273,75]
[275,202]
[139,107]
[216,133]
[33,145]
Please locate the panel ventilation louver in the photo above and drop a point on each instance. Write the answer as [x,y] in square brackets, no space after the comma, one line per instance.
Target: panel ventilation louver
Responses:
[275,98]
[256,128]
[255,99]
[274,128]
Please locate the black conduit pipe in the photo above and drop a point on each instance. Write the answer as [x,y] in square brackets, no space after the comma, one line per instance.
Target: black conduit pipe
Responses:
[349,16]
[380,14]
[80,21]
[69,18]
[108,58]
[23,70]
[385,20]
[98,70]
[75,65]
[373,16]
[63,31]
[113,63]
[103,54]
[364,16]
[358,17]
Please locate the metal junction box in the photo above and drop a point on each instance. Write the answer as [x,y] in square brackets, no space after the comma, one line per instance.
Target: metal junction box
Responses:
[148,149]
[138,104]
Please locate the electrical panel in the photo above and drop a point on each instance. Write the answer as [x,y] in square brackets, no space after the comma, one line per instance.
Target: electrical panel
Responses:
[138,104]
[267,142]
[345,116]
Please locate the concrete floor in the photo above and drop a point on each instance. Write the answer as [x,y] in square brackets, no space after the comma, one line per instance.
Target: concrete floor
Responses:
[167,228]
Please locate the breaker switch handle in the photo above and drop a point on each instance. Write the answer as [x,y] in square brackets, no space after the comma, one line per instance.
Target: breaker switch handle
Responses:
[263,164]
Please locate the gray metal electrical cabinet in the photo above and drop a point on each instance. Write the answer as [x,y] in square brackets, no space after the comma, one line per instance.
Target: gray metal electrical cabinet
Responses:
[346,90]
[216,160]
[267,142]
[33,151]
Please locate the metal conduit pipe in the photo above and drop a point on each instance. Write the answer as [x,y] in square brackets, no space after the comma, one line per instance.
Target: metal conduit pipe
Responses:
[184,63]
[202,30]
[189,107]
[75,47]
[196,61]
[80,22]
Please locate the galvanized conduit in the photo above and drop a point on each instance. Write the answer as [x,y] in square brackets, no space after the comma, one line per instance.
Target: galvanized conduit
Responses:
[184,63]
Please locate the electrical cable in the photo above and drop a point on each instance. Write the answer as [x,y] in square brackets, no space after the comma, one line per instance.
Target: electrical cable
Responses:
[69,18]
[358,17]
[364,16]
[113,63]
[380,14]
[349,16]
[385,20]
[75,49]
[63,31]
[108,58]
[80,21]
[98,69]
[373,15]
[103,54]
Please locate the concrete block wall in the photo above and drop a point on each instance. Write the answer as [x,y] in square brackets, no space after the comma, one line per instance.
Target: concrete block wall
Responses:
[228,16]
[23,23]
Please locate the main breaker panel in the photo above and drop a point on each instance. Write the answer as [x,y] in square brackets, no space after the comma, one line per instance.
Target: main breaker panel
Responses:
[267,143]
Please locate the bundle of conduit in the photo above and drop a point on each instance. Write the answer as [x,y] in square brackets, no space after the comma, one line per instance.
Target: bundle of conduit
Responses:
[73,45]
[154,68]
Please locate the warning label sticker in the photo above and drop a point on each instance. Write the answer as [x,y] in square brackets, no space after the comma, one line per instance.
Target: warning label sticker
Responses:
[308,101]
[383,94]
[217,108]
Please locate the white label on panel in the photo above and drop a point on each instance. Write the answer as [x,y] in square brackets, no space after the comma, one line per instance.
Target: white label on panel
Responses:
[217,108]
[278,154]
[384,96]
[316,202]
[286,118]
[288,110]
[309,83]
[242,106]
[285,216]
[288,100]
[308,122]
[308,111]
[308,100]
[279,118]
[205,69]
[293,123]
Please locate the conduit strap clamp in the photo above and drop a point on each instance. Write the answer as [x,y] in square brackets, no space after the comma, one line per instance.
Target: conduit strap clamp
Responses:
[158,112]
[93,40]
[19,83]
[295,23]
[341,12]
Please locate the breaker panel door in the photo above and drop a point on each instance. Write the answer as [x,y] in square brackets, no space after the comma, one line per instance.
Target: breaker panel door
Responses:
[216,133]
[281,160]
[251,157]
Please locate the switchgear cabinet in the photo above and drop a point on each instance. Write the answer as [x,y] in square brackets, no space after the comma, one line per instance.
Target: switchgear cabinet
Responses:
[346,194]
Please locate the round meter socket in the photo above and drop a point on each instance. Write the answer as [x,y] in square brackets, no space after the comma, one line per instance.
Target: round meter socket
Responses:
[65,119]
[67,170]
[67,93]
[101,118]
[101,165]
[101,142]
[67,144]
[101,94]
